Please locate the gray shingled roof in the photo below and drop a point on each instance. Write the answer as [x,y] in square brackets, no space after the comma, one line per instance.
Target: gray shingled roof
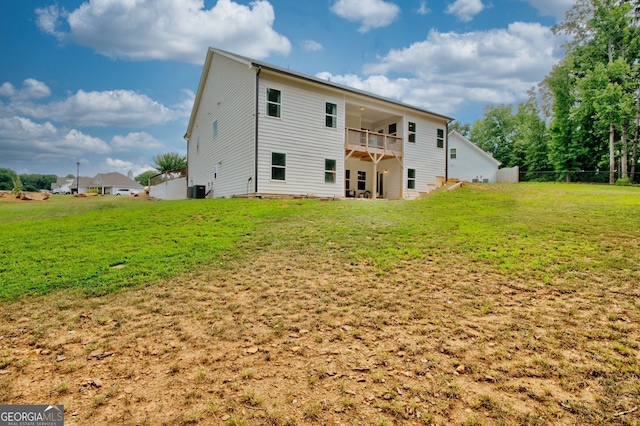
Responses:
[115,179]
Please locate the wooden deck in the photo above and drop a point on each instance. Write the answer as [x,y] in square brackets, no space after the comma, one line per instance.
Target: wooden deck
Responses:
[371,146]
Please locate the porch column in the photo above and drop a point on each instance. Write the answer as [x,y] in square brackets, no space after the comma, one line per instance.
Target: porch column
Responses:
[375,180]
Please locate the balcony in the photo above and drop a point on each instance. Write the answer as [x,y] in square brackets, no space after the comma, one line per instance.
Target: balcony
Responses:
[372,146]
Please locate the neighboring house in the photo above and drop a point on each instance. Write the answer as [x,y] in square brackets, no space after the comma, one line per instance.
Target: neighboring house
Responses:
[468,162]
[258,129]
[85,184]
[113,183]
[63,184]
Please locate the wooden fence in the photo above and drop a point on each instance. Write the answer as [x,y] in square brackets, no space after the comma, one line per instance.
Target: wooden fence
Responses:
[510,175]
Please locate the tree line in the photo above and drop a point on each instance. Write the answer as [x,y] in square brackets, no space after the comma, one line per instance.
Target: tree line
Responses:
[582,122]
[27,182]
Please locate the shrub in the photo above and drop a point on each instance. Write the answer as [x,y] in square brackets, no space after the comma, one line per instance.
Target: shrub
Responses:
[623,182]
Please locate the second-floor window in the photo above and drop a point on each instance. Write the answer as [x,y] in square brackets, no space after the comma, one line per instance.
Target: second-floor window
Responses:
[273,102]
[331,119]
[440,138]
[454,153]
[412,132]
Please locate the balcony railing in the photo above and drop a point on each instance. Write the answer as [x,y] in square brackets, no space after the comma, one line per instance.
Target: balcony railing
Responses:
[364,140]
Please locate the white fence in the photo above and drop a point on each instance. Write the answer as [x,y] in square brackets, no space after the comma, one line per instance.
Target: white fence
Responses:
[510,175]
[174,189]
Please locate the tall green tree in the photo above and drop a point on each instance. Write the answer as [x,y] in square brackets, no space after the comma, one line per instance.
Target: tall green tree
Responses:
[35,182]
[7,177]
[463,128]
[169,161]
[143,178]
[603,52]
[532,139]
[573,144]
[495,133]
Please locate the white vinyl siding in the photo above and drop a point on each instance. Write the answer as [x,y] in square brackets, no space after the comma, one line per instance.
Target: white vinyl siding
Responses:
[225,148]
[424,156]
[471,162]
[302,133]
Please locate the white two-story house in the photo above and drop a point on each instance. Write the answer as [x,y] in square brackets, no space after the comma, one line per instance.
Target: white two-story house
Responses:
[258,130]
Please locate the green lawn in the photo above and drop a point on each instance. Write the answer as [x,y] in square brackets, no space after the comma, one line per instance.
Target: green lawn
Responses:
[546,233]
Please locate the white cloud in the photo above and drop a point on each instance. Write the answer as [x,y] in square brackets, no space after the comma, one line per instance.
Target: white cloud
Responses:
[135,141]
[423,9]
[311,46]
[31,89]
[167,29]
[465,10]
[448,69]
[124,166]
[556,8]
[123,108]
[48,19]
[437,98]
[183,108]
[23,140]
[370,13]
[7,90]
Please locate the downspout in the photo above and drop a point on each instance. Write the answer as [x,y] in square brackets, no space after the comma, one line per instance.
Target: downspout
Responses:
[446,153]
[255,172]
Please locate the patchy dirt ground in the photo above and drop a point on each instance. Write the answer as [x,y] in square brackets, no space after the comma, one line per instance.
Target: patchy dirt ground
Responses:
[283,340]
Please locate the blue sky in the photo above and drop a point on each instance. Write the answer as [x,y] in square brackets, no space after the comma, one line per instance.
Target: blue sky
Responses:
[110,83]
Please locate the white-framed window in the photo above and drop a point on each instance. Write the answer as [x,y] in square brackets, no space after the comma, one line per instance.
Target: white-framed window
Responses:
[214,129]
[362,180]
[278,166]
[440,138]
[412,132]
[331,118]
[274,102]
[453,153]
[329,171]
[411,178]
[393,128]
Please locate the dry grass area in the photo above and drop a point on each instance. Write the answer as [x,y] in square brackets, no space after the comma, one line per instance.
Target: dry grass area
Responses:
[492,305]
[292,337]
